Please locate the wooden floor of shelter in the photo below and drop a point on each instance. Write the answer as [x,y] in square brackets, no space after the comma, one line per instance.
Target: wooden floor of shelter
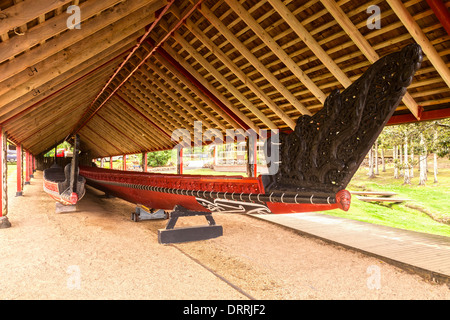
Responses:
[425,254]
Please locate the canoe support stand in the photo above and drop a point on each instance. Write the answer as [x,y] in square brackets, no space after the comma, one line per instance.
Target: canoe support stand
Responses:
[178,235]
[142,213]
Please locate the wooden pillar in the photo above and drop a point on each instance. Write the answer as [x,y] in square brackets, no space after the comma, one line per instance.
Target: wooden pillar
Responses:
[215,155]
[124,163]
[110,162]
[30,165]
[27,167]
[4,222]
[252,150]
[19,170]
[144,161]
[180,160]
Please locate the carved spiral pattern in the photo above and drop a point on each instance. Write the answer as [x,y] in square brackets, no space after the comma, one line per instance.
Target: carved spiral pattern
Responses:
[324,151]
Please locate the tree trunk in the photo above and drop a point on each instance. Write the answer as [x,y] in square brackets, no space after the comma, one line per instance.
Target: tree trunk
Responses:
[435,168]
[396,163]
[371,172]
[376,158]
[422,162]
[406,177]
[383,164]
[401,160]
[411,174]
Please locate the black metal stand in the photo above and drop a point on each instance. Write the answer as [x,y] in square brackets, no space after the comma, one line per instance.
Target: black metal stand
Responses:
[143,213]
[179,235]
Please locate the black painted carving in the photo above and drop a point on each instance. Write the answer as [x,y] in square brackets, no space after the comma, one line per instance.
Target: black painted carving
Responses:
[324,151]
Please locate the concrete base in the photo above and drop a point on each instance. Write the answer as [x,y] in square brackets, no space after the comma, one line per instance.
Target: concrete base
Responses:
[187,234]
[60,208]
[27,182]
[19,194]
[4,223]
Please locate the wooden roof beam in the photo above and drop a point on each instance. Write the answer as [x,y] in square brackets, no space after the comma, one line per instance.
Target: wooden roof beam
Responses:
[176,99]
[59,85]
[240,74]
[309,40]
[187,13]
[136,126]
[276,49]
[79,53]
[56,25]
[25,11]
[236,93]
[202,88]
[78,90]
[115,128]
[421,39]
[101,136]
[178,88]
[253,60]
[363,45]
[161,104]
[148,119]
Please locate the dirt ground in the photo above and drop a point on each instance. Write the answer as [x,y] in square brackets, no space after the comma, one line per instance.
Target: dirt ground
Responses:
[99,253]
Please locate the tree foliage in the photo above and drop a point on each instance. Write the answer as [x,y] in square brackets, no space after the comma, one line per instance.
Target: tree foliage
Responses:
[158,158]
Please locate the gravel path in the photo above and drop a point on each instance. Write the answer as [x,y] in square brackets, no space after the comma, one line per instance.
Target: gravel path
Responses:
[99,253]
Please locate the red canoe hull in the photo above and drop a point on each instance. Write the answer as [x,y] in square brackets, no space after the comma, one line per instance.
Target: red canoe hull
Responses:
[228,194]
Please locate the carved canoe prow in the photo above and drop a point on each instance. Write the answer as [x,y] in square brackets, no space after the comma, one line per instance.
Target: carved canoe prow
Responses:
[324,151]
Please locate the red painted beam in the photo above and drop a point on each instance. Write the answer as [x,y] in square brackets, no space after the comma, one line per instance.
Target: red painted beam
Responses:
[35,105]
[441,12]
[177,25]
[426,116]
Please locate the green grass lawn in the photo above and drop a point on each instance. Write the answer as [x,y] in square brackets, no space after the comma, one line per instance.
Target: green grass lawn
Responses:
[432,198]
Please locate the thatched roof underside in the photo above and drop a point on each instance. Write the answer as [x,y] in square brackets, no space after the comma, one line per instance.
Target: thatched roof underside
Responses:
[137,70]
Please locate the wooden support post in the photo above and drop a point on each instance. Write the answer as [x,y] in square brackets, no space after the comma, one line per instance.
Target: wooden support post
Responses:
[144,161]
[19,170]
[4,222]
[30,166]
[255,157]
[124,162]
[110,162]
[252,167]
[27,167]
[180,160]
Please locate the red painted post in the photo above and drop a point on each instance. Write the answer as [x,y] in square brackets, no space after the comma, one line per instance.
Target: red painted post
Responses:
[27,167]
[255,157]
[145,160]
[124,164]
[31,166]
[110,163]
[19,170]
[4,222]
[180,160]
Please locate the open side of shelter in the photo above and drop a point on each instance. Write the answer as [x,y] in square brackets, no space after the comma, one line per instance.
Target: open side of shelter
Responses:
[125,75]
